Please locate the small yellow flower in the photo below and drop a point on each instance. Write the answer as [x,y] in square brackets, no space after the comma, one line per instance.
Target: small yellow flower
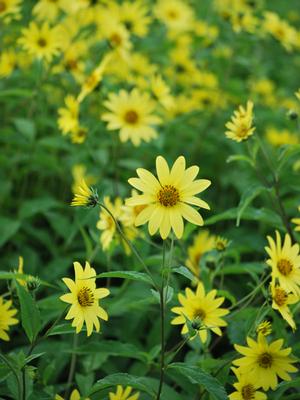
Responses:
[123,394]
[75,395]
[176,14]
[85,196]
[68,120]
[246,388]
[265,328]
[8,62]
[281,301]
[84,299]
[279,137]
[6,318]
[221,243]
[240,127]
[297,222]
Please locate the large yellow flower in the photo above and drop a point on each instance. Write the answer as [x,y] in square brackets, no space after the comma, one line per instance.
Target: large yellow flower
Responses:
[132,114]
[240,127]
[264,362]
[285,263]
[246,388]
[6,318]
[84,299]
[203,242]
[123,394]
[202,310]
[281,301]
[41,41]
[168,199]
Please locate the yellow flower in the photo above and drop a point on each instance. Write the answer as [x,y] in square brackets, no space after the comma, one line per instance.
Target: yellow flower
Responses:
[203,243]
[68,120]
[221,243]
[264,362]
[6,318]
[161,92]
[41,42]
[285,263]
[297,222]
[265,328]
[240,127]
[8,62]
[280,30]
[176,14]
[168,199]
[281,137]
[280,302]
[79,135]
[47,9]
[123,394]
[20,270]
[75,395]
[84,299]
[201,309]
[132,114]
[10,9]
[85,196]
[246,388]
[118,38]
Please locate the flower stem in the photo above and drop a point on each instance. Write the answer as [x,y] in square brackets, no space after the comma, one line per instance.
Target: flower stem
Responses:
[72,367]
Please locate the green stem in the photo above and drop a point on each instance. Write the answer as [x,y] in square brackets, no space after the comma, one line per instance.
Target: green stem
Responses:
[15,373]
[72,367]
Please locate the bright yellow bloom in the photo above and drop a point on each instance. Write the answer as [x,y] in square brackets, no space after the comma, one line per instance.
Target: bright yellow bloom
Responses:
[79,134]
[48,9]
[168,199]
[176,14]
[84,299]
[10,9]
[200,309]
[6,318]
[68,120]
[85,196]
[8,62]
[41,42]
[264,362]
[246,388]
[281,301]
[75,395]
[281,137]
[240,127]
[280,30]
[203,242]
[285,263]
[297,222]
[123,394]
[132,114]
[118,37]
[221,243]
[265,328]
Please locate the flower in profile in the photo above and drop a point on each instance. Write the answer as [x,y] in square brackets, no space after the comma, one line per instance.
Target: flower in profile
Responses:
[202,310]
[241,125]
[68,116]
[246,388]
[84,299]
[264,362]
[281,301]
[41,42]
[132,114]
[203,242]
[285,263]
[297,222]
[169,198]
[85,196]
[20,270]
[123,394]
[106,224]
[265,328]
[6,318]
[75,395]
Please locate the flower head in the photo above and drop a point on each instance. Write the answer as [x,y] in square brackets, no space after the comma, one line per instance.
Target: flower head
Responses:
[281,301]
[123,394]
[246,388]
[168,199]
[85,196]
[240,127]
[10,9]
[200,307]
[84,299]
[6,318]
[264,362]
[265,328]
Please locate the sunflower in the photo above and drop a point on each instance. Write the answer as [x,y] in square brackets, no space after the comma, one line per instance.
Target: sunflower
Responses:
[297,222]
[177,15]
[10,9]
[6,318]
[246,388]
[285,263]
[84,195]
[131,113]
[84,299]
[281,301]
[123,394]
[68,120]
[41,42]
[168,199]
[202,310]
[264,362]
[240,127]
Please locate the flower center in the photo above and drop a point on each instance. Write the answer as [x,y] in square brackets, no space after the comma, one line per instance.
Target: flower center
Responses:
[199,313]
[280,297]
[243,131]
[248,392]
[42,42]
[168,196]
[284,266]
[71,64]
[2,6]
[265,360]
[115,39]
[172,14]
[131,117]
[85,297]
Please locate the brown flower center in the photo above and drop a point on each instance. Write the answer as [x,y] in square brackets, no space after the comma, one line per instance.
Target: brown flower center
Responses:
[265,360]
[284,266]
[85,297]
[168,196]
[42,42]
[280,297]
[2,6]
[131,117]
[199,313]
[115,39]
[71,64]
[173,14]
[248,392]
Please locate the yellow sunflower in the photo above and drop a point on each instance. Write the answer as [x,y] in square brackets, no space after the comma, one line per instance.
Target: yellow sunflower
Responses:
[246,388]
[202,310]
[240,127]
[285,263]
[41,42]
[297,222]
[132,114]
[168,199]
[123,394]
[203,242]
[84,299]
[10,9]
[264,362]
[281,301]
[177,15]
[6,318]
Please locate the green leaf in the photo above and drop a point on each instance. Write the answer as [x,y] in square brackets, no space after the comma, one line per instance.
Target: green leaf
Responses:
[240,157]
[30,314]
[8,227]
[16,93]
[26,127]
[168,294]
[132,275]
[196,376]
[184,271]
[35,206]
[247,197]
[286,154]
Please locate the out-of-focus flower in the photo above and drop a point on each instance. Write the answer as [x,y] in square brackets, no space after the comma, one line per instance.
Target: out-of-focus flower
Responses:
[279,137]
[203,242]
[280,30]
[8,62]
[6,318]
[177,15]
[68,120]
[241,125]
[10,9]
[161,92]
